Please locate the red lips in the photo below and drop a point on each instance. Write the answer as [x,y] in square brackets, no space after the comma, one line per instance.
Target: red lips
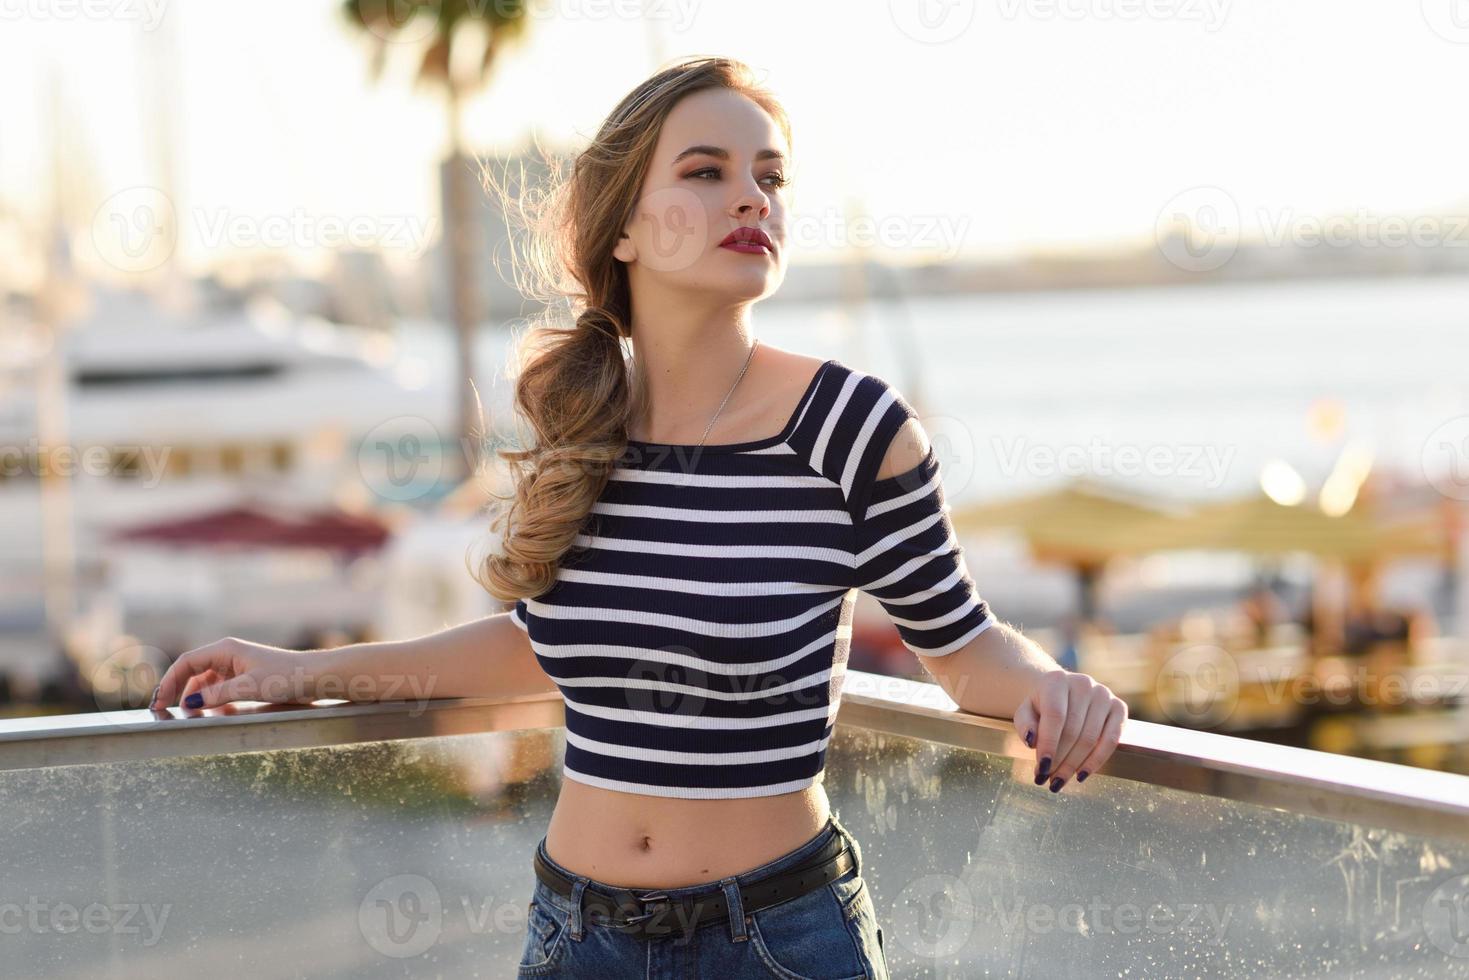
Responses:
[748,236]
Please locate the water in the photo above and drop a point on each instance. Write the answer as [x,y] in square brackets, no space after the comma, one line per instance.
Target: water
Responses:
[1184,391]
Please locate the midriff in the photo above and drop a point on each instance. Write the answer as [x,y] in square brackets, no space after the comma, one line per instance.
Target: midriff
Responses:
[637,841]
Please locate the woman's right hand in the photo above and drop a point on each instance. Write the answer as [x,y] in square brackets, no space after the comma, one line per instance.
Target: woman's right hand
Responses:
[236,670]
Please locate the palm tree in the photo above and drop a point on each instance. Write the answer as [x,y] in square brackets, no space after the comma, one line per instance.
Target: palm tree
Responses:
[458,43]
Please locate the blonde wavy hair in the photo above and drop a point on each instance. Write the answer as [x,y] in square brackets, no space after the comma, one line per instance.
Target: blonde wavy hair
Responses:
[573,387]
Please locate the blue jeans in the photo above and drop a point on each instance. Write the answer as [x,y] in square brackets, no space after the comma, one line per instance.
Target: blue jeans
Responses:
[829,933]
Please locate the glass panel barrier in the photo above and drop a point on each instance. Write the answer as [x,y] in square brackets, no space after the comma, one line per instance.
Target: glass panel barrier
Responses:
[386,841]
[383,859]
[976,871]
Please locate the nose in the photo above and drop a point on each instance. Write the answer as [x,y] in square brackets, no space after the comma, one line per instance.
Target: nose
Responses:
[754,199]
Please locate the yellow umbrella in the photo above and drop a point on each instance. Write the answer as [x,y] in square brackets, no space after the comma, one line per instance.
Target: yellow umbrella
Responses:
[1081,523]
[1260,526]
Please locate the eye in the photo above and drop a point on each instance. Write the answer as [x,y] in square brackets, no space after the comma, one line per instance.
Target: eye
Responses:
[777,178]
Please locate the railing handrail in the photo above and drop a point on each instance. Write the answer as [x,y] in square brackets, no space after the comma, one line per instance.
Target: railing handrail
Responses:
[1306,781]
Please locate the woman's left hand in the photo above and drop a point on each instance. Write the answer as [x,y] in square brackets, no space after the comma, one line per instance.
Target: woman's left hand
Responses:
[1074,724]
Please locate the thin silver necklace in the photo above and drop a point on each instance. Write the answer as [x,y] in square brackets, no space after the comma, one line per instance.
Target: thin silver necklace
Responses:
[748,357]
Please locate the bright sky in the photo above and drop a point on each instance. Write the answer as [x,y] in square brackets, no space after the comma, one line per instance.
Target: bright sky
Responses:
[988,126]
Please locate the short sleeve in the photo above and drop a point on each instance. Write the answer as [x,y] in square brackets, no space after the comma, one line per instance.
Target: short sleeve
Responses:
[517,615]
[908,558]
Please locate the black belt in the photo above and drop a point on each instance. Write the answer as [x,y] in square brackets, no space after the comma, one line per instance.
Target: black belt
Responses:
[657,915]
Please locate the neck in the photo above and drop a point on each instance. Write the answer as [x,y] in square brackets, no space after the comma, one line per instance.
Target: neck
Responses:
[685,366]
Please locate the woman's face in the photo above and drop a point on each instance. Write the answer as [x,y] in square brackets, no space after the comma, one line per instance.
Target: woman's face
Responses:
[719,166]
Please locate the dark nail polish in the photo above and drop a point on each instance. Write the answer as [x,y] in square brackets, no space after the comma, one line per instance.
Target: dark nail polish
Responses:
[1040,777]
[1030,738]
[1081,776]
[195,700]
[1045,769]
[1056,784]
[153,698]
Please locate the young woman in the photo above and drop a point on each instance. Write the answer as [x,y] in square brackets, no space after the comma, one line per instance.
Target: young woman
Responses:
[683,548]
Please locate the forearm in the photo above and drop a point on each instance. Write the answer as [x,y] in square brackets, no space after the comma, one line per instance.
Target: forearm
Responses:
[993,673]
[487,657]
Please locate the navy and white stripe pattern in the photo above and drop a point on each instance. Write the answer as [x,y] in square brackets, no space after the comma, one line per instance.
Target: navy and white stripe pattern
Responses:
[699,627]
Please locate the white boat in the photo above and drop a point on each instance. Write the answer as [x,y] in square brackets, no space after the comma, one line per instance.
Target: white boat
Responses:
[171,416]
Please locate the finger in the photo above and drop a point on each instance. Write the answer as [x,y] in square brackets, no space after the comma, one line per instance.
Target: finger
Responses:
[192,686]
[1095,708]
[216,655]
[1051,706]
[244,687]
[1026,722]
[1106,742]
[1079,689]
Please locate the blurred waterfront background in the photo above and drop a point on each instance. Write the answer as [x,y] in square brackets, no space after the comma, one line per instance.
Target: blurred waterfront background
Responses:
[1182,296]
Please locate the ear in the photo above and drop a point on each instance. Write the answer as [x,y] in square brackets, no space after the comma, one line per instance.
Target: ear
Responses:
[625,251]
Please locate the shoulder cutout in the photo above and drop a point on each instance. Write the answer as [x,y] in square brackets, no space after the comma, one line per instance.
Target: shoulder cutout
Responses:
[850,425]
[909,448]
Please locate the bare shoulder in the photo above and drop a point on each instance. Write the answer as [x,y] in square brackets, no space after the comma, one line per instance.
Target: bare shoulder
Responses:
[790,370]
[793,372]
[787,376]
[908,448]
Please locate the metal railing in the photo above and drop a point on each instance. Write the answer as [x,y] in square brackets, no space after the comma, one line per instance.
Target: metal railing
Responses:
[1305,781]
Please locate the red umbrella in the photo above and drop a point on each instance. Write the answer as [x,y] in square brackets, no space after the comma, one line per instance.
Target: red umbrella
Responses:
[250,526]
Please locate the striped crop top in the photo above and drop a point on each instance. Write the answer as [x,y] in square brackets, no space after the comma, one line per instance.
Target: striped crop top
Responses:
[699,627]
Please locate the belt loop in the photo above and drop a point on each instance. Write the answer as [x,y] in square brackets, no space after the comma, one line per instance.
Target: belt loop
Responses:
[736,908]
[852,845]
[576,896]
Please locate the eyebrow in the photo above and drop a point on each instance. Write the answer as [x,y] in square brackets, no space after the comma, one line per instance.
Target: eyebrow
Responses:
[723,154]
